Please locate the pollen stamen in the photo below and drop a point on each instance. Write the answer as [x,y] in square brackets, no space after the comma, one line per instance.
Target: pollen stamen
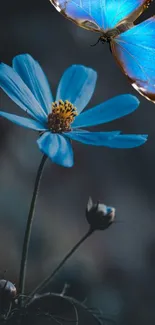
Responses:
[63,114]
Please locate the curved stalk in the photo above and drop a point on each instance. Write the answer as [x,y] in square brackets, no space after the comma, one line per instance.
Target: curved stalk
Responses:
[46,282]
[23,265]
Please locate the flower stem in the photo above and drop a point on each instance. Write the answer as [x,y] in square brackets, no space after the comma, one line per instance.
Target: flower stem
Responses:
[23,265]
[46,282]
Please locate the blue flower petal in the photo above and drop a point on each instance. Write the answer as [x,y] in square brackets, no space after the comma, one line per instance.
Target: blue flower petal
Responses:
[23,121]
[33,76]
[16,89]
[77,85]
[108,111]
[57,147]
[127,141]
[92,138]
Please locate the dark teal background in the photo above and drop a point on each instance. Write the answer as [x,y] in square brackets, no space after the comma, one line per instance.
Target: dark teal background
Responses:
[115,268]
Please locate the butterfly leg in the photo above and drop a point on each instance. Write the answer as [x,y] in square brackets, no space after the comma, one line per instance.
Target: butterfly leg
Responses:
[110,47]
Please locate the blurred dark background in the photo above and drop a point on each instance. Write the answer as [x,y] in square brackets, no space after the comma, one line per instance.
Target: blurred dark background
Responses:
[115,269]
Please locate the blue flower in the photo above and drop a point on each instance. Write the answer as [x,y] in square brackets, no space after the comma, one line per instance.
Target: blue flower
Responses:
[61,121]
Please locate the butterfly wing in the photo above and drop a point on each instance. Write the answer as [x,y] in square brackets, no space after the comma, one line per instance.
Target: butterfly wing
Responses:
[100,15]
[84,13]
[134,51]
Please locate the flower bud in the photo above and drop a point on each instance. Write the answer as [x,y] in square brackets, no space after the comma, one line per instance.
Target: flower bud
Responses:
[7,294]
[99,216]
[7,289]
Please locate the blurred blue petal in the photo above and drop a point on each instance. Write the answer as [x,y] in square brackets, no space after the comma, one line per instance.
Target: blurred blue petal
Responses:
[33,76]
[16,89]
[57,148]
[92,138]
[77,85]
[23,121]
[127,141]
[110,110]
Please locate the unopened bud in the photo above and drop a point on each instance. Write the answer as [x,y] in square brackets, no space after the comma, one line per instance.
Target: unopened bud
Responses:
[99,216]
[7,294]
[7,289]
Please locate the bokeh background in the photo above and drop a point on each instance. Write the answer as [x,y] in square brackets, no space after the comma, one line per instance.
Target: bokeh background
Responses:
[114,269]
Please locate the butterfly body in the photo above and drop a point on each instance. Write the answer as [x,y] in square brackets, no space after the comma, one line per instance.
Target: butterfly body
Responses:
[133,46]
[110,34]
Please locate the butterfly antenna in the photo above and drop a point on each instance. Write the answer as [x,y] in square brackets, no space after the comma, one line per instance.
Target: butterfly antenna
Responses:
[96,42]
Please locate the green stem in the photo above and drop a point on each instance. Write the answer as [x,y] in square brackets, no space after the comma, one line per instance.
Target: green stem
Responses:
[46,282]
[23,265]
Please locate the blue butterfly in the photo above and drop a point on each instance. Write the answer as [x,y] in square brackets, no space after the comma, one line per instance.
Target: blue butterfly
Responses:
[133,46]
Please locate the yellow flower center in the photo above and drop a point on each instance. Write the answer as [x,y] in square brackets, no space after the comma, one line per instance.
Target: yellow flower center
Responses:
[63,114]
